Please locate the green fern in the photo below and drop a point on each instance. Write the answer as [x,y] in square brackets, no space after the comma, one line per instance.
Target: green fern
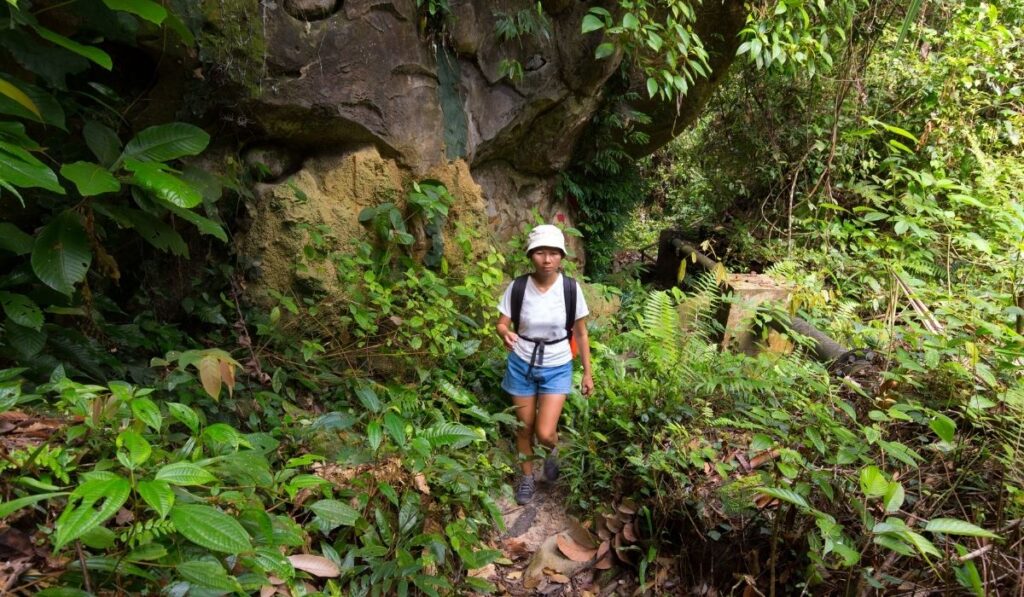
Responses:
[660,325]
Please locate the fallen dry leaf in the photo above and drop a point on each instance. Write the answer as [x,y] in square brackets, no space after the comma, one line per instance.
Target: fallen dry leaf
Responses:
[515,548]
[628,506]
[613,522]
[514,575]
[629,533]
[559,578]
[421,483]
[605,562]
[268,591]
[124,516]
[572,550]
[763,458]
[581,534]
[315,565]
[602,550]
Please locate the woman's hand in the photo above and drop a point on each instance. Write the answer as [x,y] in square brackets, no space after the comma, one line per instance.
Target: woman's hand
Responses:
[510,339]
[504,329]
[587,385]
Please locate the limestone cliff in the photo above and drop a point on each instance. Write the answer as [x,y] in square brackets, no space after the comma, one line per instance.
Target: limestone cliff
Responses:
[318,82]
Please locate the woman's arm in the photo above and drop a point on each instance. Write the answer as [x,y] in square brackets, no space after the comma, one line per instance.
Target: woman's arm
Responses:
[579,332]
[505,332]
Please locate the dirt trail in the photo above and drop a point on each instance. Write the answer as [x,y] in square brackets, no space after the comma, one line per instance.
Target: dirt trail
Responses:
[535,565]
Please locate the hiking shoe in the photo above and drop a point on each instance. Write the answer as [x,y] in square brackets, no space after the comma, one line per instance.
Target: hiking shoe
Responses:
[551,467]
[525,489]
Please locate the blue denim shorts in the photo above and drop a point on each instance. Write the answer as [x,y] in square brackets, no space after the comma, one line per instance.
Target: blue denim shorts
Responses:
[542,380]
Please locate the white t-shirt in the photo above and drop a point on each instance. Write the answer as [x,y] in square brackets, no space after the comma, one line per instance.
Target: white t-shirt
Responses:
[543,317]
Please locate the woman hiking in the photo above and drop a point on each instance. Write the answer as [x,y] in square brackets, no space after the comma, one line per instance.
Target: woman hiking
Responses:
[540,313]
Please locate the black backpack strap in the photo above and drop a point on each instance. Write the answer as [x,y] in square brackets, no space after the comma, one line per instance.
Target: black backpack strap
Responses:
[518,292]
[569,292]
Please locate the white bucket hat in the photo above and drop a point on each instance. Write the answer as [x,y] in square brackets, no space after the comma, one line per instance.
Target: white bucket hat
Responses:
[546,235]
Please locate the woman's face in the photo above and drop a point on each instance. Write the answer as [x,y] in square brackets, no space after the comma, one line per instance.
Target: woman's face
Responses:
[546,260]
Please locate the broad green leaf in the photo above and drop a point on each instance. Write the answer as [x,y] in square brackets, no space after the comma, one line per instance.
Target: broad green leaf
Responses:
[61,255]
[26,341]
[99,538]
[902,132]
[175,24]
[592,23]
[944,427]
[164,185]
[79,516]
[448,433]
[336,513]
[148,552]
[922,544]
[90,179]
[22,310]
[16,94]
[146,9]
[166,142]
[604,50]
[158,495]
[12,506]
[894,544]
[629,21]
[652,86]
[14,240]
[94,54]
[103,142]
[368,398]
[786,495]
[953,526]
[894,497]
[225,434]
[273,562]
[457,393]
[138,449]
[873,482]
[395,426]
[374,434]
[901,452]
[185,473]
[185,415]
[50,110]
[151,228]
[210,528]
[204,225]
[209,574]
[20,168]
[148,412]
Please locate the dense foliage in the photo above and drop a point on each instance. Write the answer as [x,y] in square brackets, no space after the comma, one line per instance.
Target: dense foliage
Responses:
[887,194]
[178,431]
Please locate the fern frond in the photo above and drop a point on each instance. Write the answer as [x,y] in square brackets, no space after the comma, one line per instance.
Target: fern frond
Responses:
[660,325]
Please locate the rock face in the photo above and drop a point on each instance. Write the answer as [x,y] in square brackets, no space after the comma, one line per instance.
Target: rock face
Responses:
[325,197]
[326,78]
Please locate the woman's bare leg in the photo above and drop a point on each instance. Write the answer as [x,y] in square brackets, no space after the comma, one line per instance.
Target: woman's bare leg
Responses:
[526,407]
[548,413]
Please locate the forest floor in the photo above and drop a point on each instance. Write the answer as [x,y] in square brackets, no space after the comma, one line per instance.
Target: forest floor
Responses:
[547,551]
